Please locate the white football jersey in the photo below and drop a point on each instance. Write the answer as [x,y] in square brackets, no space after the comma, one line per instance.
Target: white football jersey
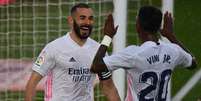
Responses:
[67,66]
[148,68]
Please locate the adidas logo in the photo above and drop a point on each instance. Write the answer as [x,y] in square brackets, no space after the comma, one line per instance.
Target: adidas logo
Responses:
[72,60]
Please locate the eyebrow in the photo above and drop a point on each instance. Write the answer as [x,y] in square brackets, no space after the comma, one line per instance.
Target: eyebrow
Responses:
[86,16]
[91,16]
[82,16]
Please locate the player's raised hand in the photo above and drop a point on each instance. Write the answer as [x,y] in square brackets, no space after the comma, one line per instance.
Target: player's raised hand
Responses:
[109,28]
[167,30]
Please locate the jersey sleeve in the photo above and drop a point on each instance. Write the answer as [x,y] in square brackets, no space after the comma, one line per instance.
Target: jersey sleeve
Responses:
[122,59]
[184,59]
[44,62]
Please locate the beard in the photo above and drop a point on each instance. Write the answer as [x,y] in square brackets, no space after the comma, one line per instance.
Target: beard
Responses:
[77,30]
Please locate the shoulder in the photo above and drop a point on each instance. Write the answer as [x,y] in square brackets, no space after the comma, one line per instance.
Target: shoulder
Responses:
[58,40]
[132,48]
[55,44]
[173,49]
[129,50]
[171,46]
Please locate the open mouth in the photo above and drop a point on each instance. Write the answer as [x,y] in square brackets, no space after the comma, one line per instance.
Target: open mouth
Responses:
[85,28]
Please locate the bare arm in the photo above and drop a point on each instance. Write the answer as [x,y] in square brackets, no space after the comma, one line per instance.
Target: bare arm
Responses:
[31,86]
[109,90]
[98,64]
[167,31]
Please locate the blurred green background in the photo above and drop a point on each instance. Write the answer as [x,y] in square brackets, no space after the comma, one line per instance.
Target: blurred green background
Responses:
[187,28]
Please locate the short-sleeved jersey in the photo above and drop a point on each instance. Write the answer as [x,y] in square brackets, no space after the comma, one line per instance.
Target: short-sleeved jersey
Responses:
[67,66]
[148,68]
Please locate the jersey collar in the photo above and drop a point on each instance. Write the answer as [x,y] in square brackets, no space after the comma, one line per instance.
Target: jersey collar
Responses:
[74,43]
[148,44]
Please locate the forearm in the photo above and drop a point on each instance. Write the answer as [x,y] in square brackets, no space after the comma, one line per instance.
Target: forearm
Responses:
[110,30]
[98,64]
[30,91]
[29,94]
[109,90]
[31,86]
[173,39]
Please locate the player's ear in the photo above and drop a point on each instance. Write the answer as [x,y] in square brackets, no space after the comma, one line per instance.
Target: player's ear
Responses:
[137,25]
[70,20]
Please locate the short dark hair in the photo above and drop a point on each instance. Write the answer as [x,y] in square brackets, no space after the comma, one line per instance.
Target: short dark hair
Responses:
[80,5]
[150,19]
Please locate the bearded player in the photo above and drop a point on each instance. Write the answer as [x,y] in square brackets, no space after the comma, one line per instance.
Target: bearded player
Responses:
[66,62]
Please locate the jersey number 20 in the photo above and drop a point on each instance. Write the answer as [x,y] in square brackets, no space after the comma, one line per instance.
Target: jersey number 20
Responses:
[157,83]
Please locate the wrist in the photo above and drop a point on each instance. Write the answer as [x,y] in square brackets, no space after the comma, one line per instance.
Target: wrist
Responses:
[106,40]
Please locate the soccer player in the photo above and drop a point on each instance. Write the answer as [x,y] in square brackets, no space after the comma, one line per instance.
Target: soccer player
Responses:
[67,60]
[150,65]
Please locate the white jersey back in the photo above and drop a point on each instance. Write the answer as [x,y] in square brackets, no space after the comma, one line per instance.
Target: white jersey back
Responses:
[148,68]
[67,66]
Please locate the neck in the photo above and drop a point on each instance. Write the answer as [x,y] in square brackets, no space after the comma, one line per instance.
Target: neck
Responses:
[75,38]
[149,37]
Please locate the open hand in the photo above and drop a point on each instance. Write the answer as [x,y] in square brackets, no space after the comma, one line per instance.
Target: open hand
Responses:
[167,30]
[109,28]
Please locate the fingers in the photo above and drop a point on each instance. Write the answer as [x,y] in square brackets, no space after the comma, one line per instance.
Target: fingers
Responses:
[168,17]
[110,29]
[167,25]
[168,20]
[110,20]
[110,17]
